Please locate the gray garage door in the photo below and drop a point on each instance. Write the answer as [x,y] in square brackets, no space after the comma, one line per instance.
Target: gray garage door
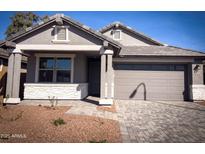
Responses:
[149,81]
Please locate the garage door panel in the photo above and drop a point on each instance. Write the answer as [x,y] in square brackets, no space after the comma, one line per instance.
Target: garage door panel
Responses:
[122,82]
[160,85]
[150,87]
[150,83]
[152,96]
[154,74]
[152,91]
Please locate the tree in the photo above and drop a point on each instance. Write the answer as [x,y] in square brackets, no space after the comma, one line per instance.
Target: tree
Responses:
[21,21]
[45,18]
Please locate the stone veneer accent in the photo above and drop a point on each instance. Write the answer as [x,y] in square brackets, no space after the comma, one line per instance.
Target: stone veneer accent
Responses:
[60,91]
[197,92]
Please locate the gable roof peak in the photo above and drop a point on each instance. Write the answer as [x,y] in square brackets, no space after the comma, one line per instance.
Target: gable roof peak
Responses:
[116,23]
[119,24]
[60,18]
[56,15]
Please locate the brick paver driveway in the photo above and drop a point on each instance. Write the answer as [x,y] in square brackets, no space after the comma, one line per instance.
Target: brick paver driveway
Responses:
[158,121]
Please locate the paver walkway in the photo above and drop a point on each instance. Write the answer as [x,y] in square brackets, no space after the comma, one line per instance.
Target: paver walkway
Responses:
[160,121]
[153,121]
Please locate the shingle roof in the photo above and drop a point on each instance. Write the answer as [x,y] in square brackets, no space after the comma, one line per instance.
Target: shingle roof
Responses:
[119,24]
[2,41]
[158,51]
[3,53]
[154,50]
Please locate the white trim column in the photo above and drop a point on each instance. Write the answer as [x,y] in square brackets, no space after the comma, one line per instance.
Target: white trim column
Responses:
[13,77]
[107,78]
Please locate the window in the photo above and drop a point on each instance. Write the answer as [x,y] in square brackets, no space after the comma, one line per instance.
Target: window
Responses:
[61,34]
[54,69]
[150,67]
[116,34]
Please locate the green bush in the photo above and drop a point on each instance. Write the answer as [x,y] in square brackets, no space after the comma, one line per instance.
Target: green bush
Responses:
[59,121]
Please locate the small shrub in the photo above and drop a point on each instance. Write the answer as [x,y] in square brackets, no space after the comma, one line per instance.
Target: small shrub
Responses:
[59,121]
[53,101]
[101,141]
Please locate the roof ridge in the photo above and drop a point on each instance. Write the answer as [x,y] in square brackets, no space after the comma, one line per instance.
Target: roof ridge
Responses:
[192,50]
[112,24]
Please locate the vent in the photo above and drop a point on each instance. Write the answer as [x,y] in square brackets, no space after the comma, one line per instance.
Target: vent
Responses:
[61,33]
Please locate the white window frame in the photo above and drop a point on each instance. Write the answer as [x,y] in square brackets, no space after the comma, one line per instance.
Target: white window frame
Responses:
[38,56]
[55,40]
[113,36]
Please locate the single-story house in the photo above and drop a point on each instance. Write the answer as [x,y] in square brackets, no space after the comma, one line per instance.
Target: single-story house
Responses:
[69,60]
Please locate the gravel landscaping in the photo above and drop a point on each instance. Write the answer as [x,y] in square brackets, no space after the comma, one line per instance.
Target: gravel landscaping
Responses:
[36,124]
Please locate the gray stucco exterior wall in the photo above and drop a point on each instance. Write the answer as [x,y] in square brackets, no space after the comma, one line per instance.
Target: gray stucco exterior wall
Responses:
[129,39]
[197,74]
[31,67]
[80,68]
[45,35]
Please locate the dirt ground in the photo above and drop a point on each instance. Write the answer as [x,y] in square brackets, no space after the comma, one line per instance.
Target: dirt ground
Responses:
[35,124]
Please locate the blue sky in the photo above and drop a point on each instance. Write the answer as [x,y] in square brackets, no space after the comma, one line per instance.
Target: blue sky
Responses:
[182,29]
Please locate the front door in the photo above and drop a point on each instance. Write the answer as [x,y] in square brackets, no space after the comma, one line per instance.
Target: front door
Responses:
[94,76]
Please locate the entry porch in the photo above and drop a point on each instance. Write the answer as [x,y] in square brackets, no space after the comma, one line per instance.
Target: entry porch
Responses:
[61,72]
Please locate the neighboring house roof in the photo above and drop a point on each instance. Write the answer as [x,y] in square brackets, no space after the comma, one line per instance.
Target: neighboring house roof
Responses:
[158,51]
[68,20]
[119,24]
[1,42]
[3,53]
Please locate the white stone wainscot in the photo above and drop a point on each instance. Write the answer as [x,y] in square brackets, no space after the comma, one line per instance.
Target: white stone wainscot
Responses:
[198,92]
[59,91]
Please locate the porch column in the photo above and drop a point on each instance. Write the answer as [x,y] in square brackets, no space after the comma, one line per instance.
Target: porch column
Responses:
[102,76]
[13,77]
[197,89]
[107,78]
